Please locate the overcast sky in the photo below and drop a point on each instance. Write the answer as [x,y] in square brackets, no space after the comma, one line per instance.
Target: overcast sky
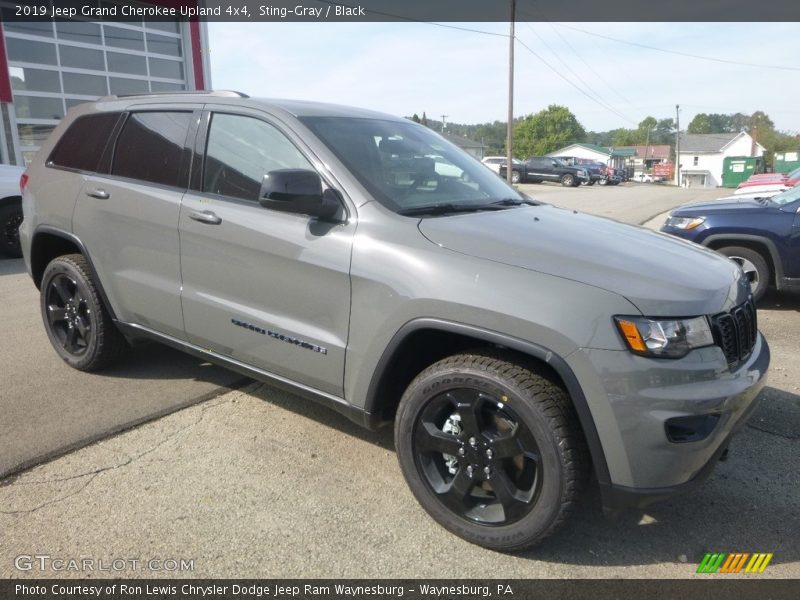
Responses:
[403,68]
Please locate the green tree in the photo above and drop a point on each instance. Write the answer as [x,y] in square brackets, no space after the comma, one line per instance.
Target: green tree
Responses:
[547,130]
[664,132]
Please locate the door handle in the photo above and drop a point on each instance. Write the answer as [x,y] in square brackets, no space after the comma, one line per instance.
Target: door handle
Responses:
[206,216]
[99,193]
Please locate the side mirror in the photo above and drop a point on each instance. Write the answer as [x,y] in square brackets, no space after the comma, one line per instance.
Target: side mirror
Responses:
[298,191]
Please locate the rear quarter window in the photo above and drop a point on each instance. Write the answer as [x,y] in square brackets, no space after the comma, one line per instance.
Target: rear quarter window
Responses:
[84,142]
[152,147]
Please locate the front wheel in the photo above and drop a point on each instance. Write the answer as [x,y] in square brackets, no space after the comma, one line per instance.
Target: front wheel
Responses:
[491,450]
[754,265]
[77,323]
[515,177]
[603,182]
[568,180]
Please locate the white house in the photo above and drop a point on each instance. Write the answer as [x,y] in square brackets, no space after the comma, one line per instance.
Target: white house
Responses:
[702,155]
[587,151]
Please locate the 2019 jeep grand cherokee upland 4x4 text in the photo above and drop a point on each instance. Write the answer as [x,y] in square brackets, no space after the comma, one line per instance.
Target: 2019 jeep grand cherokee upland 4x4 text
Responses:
[515,346]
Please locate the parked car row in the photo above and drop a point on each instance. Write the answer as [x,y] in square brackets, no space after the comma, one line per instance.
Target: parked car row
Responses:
[537,169]
[570,171]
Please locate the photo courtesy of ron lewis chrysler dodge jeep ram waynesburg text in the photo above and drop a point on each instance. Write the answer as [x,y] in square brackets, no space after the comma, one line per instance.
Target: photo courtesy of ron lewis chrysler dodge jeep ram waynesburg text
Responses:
[518,348]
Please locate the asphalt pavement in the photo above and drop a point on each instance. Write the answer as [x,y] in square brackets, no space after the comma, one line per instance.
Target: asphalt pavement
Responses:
[260,483]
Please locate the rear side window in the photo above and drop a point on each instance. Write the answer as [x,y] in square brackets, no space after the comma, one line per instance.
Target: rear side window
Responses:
[82,145]
[151,147]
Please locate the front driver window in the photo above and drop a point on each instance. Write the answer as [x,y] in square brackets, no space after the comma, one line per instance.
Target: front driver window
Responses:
[240,151]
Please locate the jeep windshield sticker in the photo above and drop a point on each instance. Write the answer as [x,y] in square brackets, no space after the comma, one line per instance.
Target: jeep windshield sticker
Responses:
[280,336]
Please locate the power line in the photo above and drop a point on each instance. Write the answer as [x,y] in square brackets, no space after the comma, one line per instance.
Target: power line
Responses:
[679,53]
[566,65]
[557,72]
[600,77]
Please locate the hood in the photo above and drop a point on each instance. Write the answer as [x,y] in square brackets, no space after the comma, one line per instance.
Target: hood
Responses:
[662,275]
[729,203]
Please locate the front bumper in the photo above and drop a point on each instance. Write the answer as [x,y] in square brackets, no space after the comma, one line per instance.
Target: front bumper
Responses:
[633,400]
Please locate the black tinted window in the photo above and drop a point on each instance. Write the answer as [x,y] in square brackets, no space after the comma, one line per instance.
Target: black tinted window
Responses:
[83,143]
[151,147]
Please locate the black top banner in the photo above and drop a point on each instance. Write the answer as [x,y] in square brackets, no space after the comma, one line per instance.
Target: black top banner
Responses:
[411,10]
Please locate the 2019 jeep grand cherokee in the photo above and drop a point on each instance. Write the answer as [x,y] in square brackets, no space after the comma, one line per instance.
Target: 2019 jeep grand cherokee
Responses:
[515,346]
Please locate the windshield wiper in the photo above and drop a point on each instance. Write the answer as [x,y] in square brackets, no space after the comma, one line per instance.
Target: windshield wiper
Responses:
[516,202]
[448,208]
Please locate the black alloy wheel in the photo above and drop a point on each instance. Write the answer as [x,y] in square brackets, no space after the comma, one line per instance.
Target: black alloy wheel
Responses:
[69,317]
[491,449]
[489,472]
[76,320]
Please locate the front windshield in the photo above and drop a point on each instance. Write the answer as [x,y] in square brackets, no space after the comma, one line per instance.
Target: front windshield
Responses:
[786,197]
[407,166]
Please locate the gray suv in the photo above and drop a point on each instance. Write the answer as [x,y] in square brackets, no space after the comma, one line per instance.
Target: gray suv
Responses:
[363,261]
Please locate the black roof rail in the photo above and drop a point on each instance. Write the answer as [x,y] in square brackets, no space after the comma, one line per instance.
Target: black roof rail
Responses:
[216,93]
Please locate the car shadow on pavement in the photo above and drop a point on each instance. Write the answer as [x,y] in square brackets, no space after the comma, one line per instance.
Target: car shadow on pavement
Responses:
[150,360]
[11,266]
[750,503]
[781,301]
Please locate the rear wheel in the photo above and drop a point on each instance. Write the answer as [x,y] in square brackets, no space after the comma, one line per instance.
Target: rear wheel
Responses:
[567,180]
[515,177]
[603,182]
[10,220]
[755,268]
[491,450]
[77,322]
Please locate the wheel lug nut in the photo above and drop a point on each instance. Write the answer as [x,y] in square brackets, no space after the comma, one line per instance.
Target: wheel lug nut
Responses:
[469,471]
[488,472]
[473,442]
[461,451]
[489,453]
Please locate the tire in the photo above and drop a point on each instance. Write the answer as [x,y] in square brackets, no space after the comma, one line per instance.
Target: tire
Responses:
[515,177]
[472,412]
[754,265]
[568,180]
[75,318]
[10,220]
[590,182]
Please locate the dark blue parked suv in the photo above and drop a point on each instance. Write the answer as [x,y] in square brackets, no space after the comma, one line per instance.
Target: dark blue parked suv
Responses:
[761,234]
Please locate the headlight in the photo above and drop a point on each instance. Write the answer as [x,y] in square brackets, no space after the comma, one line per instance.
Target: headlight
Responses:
[668,338]
[684,222]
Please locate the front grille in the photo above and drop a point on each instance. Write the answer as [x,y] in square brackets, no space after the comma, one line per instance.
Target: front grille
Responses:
[736,332]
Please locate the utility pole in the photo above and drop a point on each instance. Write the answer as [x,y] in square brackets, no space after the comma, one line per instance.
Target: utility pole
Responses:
[444,124]
[678,145]
[510,130]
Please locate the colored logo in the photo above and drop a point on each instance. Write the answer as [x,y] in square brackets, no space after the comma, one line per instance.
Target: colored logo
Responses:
[720,562]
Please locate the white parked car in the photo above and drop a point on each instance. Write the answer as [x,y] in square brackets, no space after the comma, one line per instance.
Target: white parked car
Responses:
[764,191]
[494,162]
[647,178]
[10,209]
